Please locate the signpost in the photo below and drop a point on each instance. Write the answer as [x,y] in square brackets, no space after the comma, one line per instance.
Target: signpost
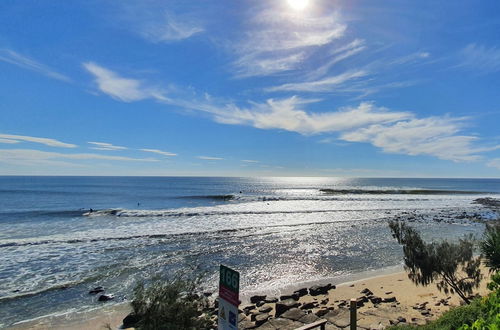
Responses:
[229,289]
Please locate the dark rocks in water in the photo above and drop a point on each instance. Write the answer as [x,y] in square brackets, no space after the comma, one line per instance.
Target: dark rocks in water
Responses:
[488,201]
[257,298]
[294,296]
[207,294]
[271,300]
[106,297]
[96,290]
[301,292]
[130,321]
[285,305]
[316,290]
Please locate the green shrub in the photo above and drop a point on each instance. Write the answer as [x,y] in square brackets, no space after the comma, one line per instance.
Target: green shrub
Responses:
[170,305]
[451,265]
[490,247]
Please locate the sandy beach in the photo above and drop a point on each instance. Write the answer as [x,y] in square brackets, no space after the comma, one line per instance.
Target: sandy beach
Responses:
[403,300]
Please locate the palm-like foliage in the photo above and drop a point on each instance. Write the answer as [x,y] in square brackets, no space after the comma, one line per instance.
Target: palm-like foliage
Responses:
[490,247]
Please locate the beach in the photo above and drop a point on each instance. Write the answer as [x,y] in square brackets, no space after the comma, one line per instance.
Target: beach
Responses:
[405,300]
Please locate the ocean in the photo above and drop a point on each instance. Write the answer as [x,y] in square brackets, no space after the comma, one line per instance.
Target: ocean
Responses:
[62,236]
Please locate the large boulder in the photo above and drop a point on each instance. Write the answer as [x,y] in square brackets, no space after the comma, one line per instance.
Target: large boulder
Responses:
[130,321]
[106,297]
[300,292]
[316,290]
[284,305]
[293,314]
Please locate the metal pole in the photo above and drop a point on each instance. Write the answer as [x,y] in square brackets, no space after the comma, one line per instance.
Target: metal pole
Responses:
[353,307]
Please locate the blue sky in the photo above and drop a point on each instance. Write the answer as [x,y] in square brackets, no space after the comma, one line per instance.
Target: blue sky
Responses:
[275,87]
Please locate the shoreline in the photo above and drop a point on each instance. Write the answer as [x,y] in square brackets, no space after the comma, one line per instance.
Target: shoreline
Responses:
[383,284]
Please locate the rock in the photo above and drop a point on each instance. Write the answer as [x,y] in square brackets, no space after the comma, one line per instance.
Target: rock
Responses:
[294,296]
[207,294]
[106,297]
[425,313]
[271,300]
[284,324]
[283,306]
[401,319]
[389,292]
[309,318]
[360,302]
[316,290]
[261,318]
[256,299]
[322,312]
[246,325]
[389,299]
[260,303]
[96,290]
[130,321]
[247,309]
[375,300]
[293,314]
[265,309]
[366,292]
[309,305]
[301,292]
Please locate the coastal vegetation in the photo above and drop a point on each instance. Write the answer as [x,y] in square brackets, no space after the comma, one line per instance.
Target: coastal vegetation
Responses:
[169,305]
[452,266]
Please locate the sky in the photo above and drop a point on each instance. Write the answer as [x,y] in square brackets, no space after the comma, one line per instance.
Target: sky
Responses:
[250,88]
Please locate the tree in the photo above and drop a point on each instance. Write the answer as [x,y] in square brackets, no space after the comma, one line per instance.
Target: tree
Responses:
[451,265]
[490,247]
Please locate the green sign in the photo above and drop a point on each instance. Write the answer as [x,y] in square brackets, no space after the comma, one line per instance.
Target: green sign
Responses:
[230,279]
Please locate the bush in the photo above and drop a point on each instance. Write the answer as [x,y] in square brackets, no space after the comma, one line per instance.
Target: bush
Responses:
[451,265]
[490,247]
[169,305]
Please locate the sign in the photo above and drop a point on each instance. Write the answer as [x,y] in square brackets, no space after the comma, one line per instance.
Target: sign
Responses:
[229,291]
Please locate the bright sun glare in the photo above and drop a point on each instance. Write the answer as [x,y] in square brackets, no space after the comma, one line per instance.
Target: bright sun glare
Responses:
[298,4]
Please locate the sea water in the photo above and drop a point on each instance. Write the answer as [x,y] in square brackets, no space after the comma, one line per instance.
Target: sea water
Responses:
[61,236]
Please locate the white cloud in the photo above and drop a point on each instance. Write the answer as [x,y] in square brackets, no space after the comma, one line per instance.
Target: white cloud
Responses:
[156,151]
[170,28]
[494,163]
[480,58]
[28,156]
[435,136]
[279,39]
[122,89]
[209,158]
[323,85]
[12,57]
[105,146]
[45,141]
[9,141]
[287,114]
[250,161]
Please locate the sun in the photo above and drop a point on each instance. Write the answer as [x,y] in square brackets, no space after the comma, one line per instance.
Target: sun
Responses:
[298,4]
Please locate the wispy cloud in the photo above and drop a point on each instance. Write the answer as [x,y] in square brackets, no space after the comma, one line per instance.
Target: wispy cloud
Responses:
[279,39]
[435,136]
[480,58]
[9,141]
[289,114]
[323,85]
[32,156]
[123,89]
[12,57]
[494,163]
[250,161]
[105,146]
[160,152]
[170,28]
[45,141]
[209,158]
